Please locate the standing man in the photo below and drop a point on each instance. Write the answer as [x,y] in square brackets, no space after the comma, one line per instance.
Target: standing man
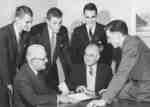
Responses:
[132,80]
[10,47]
[91,31]
[54,37]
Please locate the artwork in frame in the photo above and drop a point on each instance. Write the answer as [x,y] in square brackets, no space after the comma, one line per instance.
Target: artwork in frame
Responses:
[142,12]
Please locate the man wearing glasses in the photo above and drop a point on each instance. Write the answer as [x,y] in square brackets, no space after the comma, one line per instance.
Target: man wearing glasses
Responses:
[30,88]
[91,31]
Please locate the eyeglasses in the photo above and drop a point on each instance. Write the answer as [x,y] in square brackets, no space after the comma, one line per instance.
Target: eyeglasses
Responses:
[41,59]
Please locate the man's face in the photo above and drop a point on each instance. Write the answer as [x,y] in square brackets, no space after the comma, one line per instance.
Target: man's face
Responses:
[91,56]
[114,38]
[90,17]
[25,22]
[54,23]
[40,62]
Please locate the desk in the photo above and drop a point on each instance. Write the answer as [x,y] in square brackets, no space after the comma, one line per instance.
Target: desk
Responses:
[121,103]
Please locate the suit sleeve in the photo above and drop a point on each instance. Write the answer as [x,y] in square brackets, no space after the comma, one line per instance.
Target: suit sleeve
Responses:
[108,76]
[75,47]
[4,64]
[129,58]
[24,88]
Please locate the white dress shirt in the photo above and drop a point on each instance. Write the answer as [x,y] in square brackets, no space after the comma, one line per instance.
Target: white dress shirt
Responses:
[91,79]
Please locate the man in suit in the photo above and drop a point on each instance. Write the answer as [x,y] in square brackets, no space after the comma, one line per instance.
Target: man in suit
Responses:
[30,88]
[132,80]
[54,37]
[91,31]
[91,77]
[11,44]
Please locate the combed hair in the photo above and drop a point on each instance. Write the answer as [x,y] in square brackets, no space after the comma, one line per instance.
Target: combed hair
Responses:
[54,12]
[90,6]
[22,10]
[117,26]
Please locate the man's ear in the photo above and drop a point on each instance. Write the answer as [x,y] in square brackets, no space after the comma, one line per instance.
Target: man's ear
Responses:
[98,56]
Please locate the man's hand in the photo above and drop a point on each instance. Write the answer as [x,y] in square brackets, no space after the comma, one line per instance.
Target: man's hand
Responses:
[97,103]
[9,86]
[64,88]
[81,88]
[102,91]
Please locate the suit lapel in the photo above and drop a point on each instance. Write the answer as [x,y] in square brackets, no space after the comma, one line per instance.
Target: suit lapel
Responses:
[95,36]
[12,42]
[46,40]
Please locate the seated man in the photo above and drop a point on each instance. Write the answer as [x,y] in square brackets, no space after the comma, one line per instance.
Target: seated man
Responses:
[92,76]
[30,89]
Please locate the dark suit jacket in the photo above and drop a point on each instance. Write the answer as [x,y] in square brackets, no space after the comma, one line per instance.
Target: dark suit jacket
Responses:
[10,59]
[30,90]
[103,76]
[80,39]
[134,69]
[40,35]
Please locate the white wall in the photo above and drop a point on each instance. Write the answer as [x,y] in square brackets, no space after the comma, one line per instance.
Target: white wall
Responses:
[39,7]
[5,11]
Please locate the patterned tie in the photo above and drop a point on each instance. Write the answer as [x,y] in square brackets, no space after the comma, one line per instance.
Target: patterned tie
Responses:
[91,70]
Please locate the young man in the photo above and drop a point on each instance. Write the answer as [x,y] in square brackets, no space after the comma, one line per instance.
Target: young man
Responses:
[30,88]
[91,31]
[54,37]
[132,80]
[91,77]
[11,46]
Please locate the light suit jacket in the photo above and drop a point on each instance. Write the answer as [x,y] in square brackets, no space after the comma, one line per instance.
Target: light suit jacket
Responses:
[134,69]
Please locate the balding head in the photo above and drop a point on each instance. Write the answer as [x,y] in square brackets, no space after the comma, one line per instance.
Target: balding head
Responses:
[92,54]
[36,56]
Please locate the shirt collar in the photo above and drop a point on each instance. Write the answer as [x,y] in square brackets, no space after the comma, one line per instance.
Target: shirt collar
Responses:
[94,67]
[93,28]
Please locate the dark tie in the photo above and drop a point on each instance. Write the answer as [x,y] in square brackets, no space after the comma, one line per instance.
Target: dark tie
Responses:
[90,33]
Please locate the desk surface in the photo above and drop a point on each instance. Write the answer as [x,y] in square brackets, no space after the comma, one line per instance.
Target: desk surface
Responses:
[122,103]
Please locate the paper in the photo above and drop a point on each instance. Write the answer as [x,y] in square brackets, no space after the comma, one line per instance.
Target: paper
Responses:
[80,96]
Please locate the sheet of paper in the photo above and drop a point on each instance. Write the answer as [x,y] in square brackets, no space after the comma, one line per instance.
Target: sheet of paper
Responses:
[80,96]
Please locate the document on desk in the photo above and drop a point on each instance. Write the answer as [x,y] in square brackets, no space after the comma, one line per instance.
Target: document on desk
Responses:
[80,96]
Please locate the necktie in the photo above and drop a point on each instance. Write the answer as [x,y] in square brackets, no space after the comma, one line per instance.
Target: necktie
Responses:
[90,34]
[91,70]
[53,45]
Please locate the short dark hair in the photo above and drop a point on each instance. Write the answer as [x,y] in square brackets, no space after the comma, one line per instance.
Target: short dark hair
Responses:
[22,10]
[90,6]
[117,26]
[54,12]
